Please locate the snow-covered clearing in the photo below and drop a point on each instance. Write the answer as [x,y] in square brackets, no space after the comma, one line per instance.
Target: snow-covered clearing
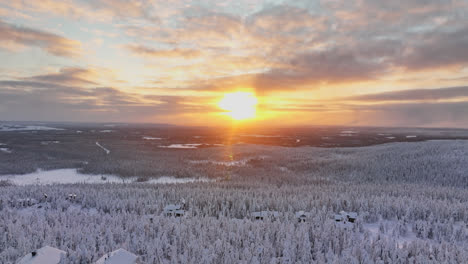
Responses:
[49,142]
[182,146]
[349,132]
[61,176]
[152,138]
[106,131]
[5,150]
[190,146]
[12,127]
[103,148]
[411,136]
[71,176]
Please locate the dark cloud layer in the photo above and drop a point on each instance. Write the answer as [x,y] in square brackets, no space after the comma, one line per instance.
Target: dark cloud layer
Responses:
[415,94]
[30,100]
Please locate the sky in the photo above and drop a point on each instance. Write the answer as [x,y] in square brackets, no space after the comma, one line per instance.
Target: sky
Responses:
[312,62]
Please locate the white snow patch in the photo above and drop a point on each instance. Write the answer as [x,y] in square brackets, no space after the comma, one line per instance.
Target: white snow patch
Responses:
[152,138]
[390,137]
[411,136]
[106,131]
[103,148]
[182,146]
[171,180]
[79,131]
[5,150]
[14,127]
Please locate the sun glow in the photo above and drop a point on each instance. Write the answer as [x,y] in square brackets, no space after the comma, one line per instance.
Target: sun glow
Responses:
[239,105]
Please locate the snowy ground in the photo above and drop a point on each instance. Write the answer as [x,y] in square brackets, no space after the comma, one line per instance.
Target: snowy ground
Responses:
[71,176]
[15,127]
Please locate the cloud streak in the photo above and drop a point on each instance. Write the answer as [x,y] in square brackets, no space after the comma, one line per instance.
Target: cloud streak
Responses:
[414,95]
[169,53]
[12,35]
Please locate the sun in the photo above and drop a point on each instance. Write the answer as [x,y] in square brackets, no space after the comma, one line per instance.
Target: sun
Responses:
[239,105]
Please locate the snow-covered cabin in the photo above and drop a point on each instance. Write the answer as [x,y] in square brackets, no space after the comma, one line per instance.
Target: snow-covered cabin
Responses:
[71,196]
[261,215]
[119,256]
[346,217]
[339,218]
[45,255]
[352,217]
[302,216]
[174,210]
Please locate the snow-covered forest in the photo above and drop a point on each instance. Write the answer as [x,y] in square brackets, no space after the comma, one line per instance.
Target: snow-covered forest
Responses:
[411,200]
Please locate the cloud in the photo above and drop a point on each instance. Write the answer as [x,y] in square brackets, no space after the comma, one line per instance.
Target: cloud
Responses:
[414,95]
[93,10]
[443,114]
[436,50]
[170,53]
[286,20]
[32,100]
[12,35]
[67,76]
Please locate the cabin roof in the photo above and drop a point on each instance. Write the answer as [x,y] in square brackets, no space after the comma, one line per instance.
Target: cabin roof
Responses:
[119,256]
[45,255]
[302,214]
[172,207]
[352,214]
